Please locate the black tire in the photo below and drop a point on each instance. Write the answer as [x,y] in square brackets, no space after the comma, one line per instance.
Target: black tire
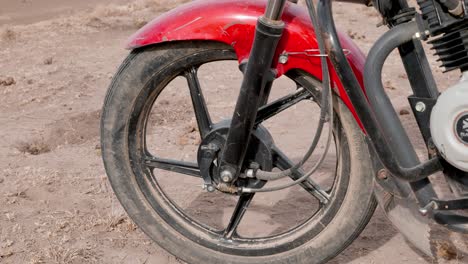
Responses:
[138,80]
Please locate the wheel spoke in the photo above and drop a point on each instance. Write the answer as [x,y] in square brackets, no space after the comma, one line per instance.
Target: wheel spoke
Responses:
[198,101]
[183,167]
[281,104]
[238,214]
[282,162]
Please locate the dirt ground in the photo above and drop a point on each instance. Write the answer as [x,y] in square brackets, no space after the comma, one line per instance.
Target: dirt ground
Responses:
[56,61]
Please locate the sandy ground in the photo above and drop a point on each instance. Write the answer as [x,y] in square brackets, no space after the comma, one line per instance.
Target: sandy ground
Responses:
[56,62]
[30,11]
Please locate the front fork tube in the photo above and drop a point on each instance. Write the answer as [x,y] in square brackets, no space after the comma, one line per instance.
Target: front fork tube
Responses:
[258,76]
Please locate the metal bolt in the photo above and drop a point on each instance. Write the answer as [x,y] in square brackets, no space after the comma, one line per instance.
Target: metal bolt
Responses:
[382,174]
[283,58]
[431,148]
[226,176]
[420,107]
[250,173]
[423,211]
[417,35]
[209,188]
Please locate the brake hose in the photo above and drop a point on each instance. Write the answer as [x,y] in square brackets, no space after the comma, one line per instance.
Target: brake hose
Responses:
[327,108]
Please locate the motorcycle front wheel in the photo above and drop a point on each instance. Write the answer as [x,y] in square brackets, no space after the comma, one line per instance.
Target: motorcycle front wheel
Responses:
[207,227]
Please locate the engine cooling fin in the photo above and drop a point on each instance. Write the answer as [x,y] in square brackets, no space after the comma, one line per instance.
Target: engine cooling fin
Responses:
[429,12]
[450,33]
[452,48]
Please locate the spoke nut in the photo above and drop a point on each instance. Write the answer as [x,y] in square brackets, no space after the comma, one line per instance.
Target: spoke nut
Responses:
[226,176]
[420,107]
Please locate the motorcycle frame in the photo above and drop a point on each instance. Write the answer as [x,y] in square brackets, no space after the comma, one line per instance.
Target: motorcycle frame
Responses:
[392,156]
[379,117]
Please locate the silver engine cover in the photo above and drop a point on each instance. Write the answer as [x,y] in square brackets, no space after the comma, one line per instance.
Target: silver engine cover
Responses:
[449,124]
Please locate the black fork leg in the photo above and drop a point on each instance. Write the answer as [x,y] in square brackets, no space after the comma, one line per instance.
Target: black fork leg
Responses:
[257,76]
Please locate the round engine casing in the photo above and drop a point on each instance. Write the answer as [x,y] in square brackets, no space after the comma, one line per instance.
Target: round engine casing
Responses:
[449,124]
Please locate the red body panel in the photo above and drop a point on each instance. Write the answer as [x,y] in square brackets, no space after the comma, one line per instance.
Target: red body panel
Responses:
[233,22]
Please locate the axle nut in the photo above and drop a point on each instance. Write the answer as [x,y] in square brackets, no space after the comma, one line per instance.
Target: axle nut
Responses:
[226,176]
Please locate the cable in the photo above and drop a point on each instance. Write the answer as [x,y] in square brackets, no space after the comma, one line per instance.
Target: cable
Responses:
[302,178]
[327,107]
[267,175]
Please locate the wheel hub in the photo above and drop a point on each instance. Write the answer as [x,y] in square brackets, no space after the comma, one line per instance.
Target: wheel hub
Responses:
[212,146]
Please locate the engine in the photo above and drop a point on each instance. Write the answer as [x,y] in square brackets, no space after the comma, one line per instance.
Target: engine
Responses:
[449,124]
[447,22]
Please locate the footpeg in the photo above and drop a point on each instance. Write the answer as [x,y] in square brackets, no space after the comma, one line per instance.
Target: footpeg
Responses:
[428,208]
[445,205]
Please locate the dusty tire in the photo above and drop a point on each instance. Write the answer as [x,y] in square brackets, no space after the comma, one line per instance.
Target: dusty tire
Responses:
[150,66]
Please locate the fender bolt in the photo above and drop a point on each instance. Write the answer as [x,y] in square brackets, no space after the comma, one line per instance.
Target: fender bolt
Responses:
[283,58]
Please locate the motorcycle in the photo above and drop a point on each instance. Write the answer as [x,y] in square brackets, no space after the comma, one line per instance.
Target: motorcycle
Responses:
[237,156]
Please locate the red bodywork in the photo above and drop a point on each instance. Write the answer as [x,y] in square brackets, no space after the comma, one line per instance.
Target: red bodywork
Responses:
[233,22]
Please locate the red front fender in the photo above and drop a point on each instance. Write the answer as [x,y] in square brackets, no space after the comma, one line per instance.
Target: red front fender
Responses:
[233,22]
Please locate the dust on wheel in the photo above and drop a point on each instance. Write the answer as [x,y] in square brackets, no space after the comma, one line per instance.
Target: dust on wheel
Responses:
[154,170]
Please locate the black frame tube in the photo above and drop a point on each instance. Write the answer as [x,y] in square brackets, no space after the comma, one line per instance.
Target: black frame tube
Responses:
[394,134]
[374,128]
[422,189]
[423,85]
[393,130]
